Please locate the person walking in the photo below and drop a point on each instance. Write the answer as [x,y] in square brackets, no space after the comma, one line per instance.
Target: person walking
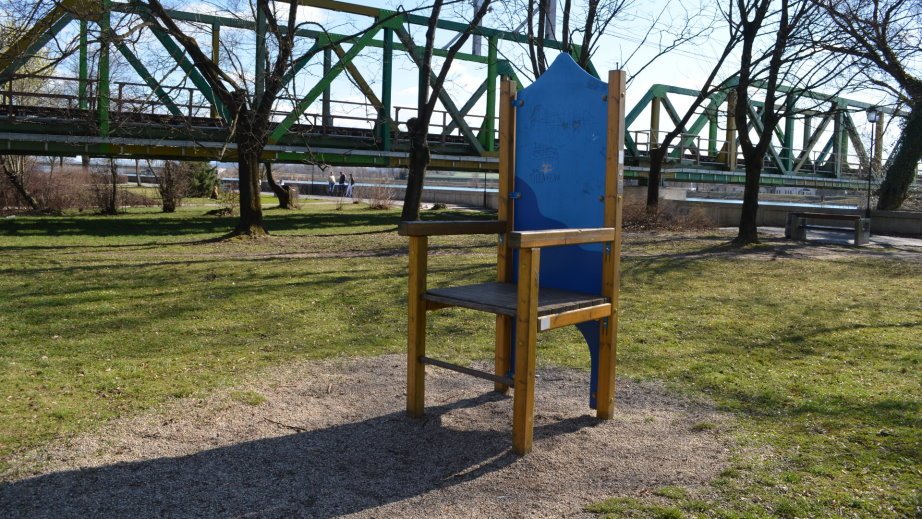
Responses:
[330,183]
[341,189]
[349,190]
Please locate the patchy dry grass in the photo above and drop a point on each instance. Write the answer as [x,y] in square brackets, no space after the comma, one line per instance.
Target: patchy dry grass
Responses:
[818,357]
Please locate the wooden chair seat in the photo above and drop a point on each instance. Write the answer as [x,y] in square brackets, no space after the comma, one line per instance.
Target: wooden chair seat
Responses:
[501,299]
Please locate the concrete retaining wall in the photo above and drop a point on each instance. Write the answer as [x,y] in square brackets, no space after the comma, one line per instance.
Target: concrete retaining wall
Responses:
[726,214]
[722,213]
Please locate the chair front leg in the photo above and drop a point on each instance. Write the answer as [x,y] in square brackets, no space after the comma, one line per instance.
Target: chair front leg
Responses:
[526,334]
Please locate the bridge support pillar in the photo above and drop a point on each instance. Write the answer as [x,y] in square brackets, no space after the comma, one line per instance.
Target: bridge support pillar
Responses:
[215,57]
[729,158]
[327,66]
[103,95]
[386,84]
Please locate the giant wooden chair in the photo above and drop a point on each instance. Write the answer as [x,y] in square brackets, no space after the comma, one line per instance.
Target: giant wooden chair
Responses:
[559,222]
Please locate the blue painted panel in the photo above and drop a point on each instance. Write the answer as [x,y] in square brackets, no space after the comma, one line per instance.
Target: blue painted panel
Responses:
[561,125]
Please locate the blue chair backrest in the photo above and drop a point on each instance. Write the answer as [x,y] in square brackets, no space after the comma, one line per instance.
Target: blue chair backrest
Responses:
[561,126]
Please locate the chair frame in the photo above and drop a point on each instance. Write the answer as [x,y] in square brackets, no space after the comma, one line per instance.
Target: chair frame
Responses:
[529,244]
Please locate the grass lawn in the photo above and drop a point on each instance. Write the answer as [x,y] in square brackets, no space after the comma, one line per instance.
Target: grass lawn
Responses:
[817,358]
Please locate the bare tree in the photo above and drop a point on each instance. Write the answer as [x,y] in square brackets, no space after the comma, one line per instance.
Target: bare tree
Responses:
[773,53]
[882,39]
[660,148]
[429,90]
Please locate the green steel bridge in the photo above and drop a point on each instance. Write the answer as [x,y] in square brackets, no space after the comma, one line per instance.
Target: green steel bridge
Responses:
[177,116]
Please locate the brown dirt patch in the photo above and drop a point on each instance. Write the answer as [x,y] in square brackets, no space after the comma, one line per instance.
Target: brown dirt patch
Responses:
[331,439]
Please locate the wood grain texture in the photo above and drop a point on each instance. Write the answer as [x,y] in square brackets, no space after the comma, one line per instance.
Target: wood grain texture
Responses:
[416,326]
[502,356]
[611,271]
[447,228]
[559,237]
[526,334]
[582,315]
[502,298]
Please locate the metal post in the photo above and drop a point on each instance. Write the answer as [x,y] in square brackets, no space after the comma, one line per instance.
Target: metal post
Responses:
[215,56]
[477,40]
[550,19]
[867,210]
[327,119]
[712,132]
[489,142]
[787,151]
[84,68]
[261,26]
[102,88]
[386,83]
[731,130]
[655,104]
[873,118]
[838,134]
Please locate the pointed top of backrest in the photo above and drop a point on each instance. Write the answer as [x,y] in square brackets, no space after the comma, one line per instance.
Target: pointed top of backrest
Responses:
[564,72]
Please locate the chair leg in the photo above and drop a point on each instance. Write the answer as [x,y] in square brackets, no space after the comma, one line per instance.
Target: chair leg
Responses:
[526,334]
[416,327]
[503,354]
[608,340]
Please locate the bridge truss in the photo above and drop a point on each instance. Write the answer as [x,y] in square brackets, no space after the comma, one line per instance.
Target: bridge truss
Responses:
[146,116]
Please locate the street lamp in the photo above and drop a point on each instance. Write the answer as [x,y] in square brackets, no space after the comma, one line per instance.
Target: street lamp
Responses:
[873,116]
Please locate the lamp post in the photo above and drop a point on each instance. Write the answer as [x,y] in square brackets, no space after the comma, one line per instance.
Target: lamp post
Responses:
[873,116]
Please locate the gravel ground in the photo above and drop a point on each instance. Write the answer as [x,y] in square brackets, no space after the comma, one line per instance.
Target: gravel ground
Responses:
[331,439]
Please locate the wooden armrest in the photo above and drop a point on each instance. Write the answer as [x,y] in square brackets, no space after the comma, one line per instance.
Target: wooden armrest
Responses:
[557,237]
[444,228]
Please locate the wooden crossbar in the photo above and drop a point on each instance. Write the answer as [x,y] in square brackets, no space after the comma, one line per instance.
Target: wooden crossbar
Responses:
[446,228]
[557,237]
[467,371]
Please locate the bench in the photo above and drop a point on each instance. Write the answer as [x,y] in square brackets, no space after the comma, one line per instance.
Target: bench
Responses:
[797,225]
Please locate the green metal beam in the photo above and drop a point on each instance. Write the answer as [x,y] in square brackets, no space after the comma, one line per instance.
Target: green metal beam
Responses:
[363,85]
[148,78]
[180,58]
[443,96]
[787,145]
[466,109]
[491,95]
[387,88]
[757,123]
[102,94]
[83,69]
[261,53]
[315,92]
[27,46]
[811,143]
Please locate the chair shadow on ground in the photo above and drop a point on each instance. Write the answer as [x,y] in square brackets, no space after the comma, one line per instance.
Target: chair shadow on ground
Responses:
[326,472]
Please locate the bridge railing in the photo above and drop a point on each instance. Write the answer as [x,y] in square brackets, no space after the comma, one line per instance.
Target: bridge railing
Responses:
[698,150]
[129,99]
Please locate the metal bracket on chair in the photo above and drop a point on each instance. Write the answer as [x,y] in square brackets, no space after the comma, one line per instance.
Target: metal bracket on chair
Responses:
[607,248]
[604,322]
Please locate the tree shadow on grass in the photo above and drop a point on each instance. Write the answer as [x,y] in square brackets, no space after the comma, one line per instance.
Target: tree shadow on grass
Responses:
[327,472]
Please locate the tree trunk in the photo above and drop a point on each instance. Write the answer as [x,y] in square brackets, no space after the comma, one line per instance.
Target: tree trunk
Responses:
[113,179]
[281,193]
[654,177]
[251,211]
[419,161]
[901,170]
[17,181]
[748,231]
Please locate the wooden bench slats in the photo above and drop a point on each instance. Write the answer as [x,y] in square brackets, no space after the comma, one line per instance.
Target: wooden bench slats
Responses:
[829,216]
[501,298]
